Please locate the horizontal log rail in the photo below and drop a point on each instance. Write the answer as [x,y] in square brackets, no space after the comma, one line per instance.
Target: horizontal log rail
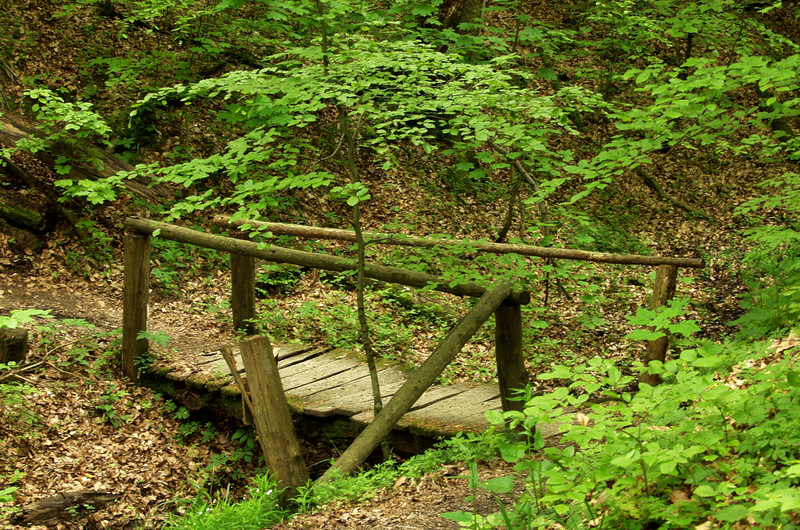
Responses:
[312,232]
[309,259]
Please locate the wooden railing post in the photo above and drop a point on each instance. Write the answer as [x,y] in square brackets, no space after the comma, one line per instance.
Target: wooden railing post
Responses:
[663,291]
[511,373]
[243,292]
[135,295]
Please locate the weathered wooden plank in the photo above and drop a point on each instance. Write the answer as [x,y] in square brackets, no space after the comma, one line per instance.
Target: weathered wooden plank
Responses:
[462,411]
[290,350]
[323,366]
[339,380]
[435,394]
[217,364]
[300,357]
[357,397]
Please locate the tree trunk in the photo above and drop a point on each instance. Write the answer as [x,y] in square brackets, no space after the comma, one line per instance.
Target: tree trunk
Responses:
[457,12]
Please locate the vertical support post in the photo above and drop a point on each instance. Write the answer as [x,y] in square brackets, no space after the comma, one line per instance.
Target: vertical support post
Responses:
[663,291]
[135,296]
[243,292]
[272,417]
[511,373]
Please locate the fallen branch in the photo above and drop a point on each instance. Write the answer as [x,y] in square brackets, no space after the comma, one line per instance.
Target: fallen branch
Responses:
[14,128]
[62,507]
[656,187]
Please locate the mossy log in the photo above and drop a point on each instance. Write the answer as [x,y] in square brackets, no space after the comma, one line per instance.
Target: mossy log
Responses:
[14,128]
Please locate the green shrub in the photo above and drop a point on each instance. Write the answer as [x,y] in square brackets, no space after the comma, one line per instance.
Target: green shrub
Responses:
[717,441]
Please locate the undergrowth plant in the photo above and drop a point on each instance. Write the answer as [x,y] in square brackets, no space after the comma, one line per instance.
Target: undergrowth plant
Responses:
[716,442]
[773,261]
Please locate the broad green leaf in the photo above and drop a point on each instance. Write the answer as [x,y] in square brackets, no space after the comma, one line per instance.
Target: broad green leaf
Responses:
[704,490]
[495,417]
[732,513]
[511,452]
[499,484]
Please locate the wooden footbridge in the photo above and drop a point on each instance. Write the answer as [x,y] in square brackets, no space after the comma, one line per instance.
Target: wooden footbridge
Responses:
[324,383]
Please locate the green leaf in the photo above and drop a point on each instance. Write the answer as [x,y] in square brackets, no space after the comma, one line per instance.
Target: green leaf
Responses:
[462,518]
[644,334]
[511,452]
[643,76]
[732,513]
[499,484]
[685,328]
[495,417]
[793,378]
[704,490]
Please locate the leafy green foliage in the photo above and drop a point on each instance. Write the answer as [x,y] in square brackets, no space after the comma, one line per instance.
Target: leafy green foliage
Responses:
[22,316]
[261,509]
[773,260]
[695,448]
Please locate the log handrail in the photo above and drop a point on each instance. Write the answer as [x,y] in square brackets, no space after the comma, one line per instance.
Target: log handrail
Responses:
[427,242]
[309,259]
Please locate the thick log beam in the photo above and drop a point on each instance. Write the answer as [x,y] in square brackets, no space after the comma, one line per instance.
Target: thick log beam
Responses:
[511,372]
[308,259]
[243,293]
[425,242]
[272,418]
[420,380]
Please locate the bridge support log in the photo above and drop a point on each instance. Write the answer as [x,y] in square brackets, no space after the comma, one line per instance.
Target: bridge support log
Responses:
[511,372]
[663,291]
[135,296]
[419,381]
[272,417]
